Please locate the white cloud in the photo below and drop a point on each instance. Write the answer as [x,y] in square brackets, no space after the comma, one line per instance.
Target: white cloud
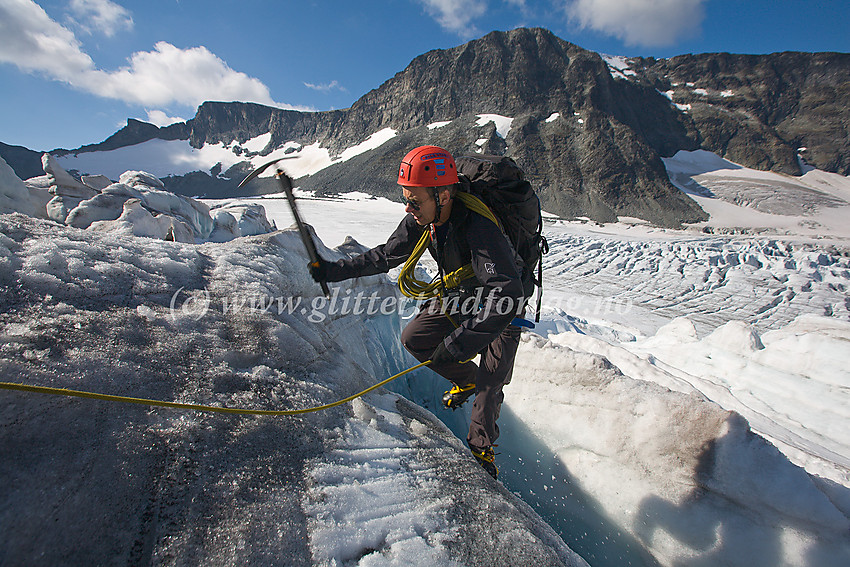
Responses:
[170,74]
[102,15]
[327,87]
[456,15]
[160,118]
[35,43]
[639,22]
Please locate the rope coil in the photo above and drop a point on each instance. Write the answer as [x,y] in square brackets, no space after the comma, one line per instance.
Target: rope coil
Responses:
[419,290]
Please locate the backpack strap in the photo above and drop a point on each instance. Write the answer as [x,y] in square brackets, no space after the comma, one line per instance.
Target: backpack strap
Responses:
[476,205]
[544,249]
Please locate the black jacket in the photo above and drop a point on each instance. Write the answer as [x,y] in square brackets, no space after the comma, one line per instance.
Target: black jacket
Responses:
[469,238]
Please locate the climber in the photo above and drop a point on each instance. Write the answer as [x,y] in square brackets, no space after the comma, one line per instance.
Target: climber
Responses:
[475,300]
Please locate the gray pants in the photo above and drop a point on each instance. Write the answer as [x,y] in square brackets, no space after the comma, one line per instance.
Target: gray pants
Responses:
[428,329]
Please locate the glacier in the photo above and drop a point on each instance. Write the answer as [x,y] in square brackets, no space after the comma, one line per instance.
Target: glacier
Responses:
[683,401]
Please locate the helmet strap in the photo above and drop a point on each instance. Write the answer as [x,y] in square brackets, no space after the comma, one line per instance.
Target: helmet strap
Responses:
[439,212]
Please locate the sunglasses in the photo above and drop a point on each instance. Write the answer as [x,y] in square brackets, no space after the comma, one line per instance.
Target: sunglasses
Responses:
[412,204]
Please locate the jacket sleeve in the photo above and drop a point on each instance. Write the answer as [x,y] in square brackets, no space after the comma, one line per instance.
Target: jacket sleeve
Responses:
[382,258]
[502,291]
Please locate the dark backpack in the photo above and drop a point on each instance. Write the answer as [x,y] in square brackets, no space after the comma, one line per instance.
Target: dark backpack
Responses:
[500,183]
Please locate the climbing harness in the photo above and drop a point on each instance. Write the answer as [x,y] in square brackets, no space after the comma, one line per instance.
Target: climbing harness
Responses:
[197,407]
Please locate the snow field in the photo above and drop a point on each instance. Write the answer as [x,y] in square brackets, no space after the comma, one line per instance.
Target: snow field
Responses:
[812,206]
[177,157]
[651,280]
[666,465]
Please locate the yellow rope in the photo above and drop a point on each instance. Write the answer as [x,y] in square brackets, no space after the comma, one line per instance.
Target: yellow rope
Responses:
[196,407]
[475,204]
[417,289]
[407,282]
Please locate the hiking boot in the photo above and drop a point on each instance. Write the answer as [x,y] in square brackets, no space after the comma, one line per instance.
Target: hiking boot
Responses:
[457,396]
[486,458]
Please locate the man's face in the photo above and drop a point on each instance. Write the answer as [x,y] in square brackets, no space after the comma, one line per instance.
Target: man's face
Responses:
[423,199]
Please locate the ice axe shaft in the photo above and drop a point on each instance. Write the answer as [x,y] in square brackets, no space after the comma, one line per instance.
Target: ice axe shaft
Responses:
[306,237]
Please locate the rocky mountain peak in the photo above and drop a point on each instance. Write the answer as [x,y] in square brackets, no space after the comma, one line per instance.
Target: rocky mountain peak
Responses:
[512,73]
[759,110]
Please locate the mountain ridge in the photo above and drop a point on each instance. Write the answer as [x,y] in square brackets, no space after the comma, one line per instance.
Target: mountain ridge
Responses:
[600,157]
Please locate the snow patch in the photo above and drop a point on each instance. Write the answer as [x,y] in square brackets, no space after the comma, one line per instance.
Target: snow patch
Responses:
[619,66]
[306,160]
[374,141]
[258,143]
[503,123]
[177,157]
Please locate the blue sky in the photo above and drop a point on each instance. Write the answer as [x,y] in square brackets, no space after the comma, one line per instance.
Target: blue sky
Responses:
[73,71]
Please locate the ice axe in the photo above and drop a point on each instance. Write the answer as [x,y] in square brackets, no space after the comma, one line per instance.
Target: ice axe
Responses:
[306,237]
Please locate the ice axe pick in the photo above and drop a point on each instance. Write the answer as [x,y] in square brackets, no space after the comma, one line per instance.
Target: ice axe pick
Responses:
[306,237]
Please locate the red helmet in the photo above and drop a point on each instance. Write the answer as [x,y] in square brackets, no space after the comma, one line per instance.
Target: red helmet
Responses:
[427,166]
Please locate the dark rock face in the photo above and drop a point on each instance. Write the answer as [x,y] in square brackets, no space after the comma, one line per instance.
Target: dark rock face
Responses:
[135,132]
[599,157]
[758,110]
[588,162]
[24,162]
